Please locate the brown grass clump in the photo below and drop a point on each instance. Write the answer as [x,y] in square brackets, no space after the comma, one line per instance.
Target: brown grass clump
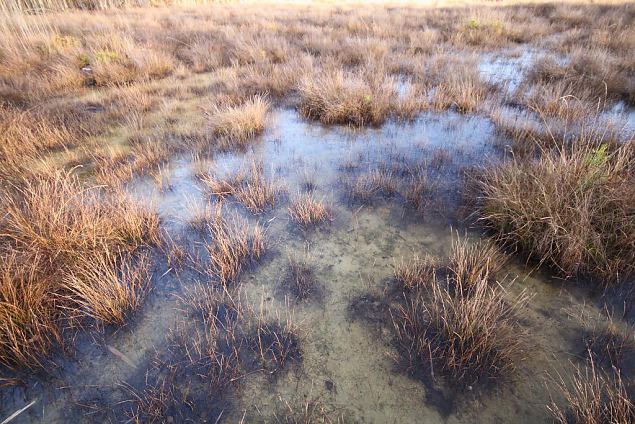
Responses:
[463,91]
[572,208]
[28,319]
[341,98]
[249,186]
[66,257]
[307,211]
[453,318]
[217,186]
[235,126]
[470,263]
[59,217]
[233,246]
[469,338]
[590,75]
[416,273]
[107,287]
[257,192]
[594,398]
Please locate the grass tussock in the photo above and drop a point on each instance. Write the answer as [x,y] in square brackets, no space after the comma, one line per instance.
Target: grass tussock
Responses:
[257,192]
[307,211]
[460,88]
[594,398]
[470,263]
[573,208]
[67,254]
[249,186]
[58,217]
[235,126]
[29,327]
[417,272]
[342,98]
[106,288]
[234,245]
[471,338]
[454,320]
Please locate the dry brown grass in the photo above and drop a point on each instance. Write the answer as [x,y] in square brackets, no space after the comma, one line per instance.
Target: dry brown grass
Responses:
[341,98]
[257,192]
[68,258]
[461,88]
[235,126]
[106,288]
[417,272]
[589,75]
[307,211]
[572,208]
[471,338]
[234,245]
[146,72]
[58,217]
[454,318]
[28,331]
[469,263]
[249,186]
[594,398]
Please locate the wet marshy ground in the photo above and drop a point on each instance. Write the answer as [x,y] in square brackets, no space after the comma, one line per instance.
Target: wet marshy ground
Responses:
[341,362]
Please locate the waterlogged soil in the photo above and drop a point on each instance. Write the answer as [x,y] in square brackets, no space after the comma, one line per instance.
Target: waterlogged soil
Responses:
[348,363]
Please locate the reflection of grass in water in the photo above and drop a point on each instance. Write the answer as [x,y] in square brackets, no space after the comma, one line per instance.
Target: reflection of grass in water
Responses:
[300,279]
